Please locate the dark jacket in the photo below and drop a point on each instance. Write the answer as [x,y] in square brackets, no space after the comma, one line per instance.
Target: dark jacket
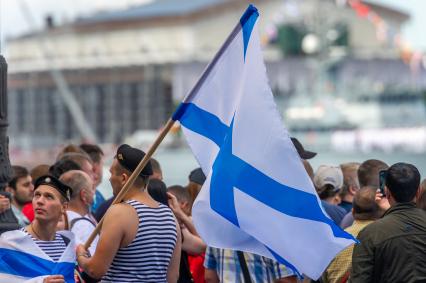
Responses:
[392,249]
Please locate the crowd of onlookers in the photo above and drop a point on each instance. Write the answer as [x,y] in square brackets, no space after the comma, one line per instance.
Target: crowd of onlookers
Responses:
[383,206]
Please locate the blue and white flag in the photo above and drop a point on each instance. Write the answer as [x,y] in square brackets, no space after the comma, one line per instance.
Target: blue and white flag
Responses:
[257,196]
[21,260]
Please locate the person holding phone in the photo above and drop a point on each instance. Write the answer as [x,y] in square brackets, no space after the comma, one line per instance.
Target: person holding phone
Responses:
[393,248]
[368,175]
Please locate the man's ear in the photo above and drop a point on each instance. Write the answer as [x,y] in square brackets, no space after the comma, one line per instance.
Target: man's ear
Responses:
[388,194]
[83,195]
[64,207]
[183,205]
[186,207]
[124,178]
[352,190]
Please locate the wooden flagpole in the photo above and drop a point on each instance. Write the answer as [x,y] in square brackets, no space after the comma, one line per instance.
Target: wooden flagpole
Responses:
[133,177]
[166,129]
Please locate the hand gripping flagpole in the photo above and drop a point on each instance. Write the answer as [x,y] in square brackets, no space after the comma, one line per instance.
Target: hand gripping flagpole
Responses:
[176,115]
[119,198]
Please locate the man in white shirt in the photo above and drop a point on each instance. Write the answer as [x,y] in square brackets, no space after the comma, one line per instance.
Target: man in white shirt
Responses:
[80,220]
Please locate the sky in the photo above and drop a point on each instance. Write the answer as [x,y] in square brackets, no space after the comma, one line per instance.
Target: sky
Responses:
[12,21]
[414,31]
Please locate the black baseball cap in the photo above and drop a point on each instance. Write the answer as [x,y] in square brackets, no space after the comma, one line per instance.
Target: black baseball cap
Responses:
[130,157]
[304,154]
[197,176]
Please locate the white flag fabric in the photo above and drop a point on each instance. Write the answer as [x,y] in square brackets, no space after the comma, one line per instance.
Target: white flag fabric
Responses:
[21,260]
[257,196]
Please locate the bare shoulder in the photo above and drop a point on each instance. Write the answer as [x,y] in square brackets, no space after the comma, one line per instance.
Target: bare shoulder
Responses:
[120,213]
[119,207]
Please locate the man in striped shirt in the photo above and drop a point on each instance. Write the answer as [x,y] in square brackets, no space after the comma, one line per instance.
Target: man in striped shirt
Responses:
[50,201]
[140,239]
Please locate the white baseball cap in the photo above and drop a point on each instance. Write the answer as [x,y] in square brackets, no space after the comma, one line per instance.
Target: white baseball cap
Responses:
[328,174]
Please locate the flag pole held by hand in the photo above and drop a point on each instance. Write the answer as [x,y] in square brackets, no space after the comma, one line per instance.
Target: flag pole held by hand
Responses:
[176,116]
[133,177]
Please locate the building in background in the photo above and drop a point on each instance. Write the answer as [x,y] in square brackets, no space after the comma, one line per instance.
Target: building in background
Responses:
[126,68]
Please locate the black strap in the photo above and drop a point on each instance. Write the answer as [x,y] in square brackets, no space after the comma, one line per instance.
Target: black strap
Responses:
[65,239]
[81,218]
[87,279]
[244,269]
[185,275]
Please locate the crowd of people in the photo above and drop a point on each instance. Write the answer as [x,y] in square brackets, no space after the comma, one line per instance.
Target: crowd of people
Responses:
[149,236]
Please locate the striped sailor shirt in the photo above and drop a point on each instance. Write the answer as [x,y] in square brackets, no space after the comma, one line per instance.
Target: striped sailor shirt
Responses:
[147,257]
[54,249]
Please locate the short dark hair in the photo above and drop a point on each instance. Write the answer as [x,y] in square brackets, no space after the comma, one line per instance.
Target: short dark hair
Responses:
[62,166]
[403,181]
[158,191]
[364,204]
[93,150]
[327,191]
[180,192]
[17,172]
[368,172]
[140,180]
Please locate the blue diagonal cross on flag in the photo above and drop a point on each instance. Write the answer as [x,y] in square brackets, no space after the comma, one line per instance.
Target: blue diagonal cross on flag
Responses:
[21,260]
[257,196]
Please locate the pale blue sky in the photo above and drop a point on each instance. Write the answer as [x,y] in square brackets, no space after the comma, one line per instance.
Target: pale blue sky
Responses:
[414,31]
[12,21]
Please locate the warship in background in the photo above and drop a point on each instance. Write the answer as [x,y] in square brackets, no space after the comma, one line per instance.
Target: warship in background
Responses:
[388,121]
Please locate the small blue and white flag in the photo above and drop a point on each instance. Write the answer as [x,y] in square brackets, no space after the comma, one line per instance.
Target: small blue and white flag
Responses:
[257,196]
[21,260]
